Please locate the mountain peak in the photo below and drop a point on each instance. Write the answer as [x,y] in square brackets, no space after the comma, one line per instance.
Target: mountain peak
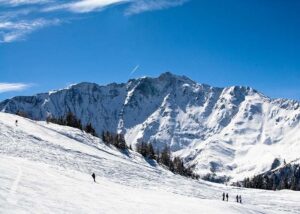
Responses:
[168,76]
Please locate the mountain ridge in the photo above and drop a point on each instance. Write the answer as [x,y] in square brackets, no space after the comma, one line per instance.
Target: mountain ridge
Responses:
[216,130]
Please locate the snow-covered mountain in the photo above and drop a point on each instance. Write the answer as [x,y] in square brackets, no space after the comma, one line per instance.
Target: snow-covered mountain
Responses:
[235,132]
[46,168]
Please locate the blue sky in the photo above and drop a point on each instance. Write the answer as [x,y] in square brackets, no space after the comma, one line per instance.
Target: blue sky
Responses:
[46,45]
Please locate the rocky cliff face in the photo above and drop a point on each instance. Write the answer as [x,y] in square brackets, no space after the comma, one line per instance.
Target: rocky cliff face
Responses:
[234,131]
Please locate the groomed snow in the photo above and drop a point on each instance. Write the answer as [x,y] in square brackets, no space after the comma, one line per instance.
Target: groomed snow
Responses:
[46,168]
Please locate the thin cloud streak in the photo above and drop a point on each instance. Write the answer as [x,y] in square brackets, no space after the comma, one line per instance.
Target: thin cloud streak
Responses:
[134,69]
[8,87]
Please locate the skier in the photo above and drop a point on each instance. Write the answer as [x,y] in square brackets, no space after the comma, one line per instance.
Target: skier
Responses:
[237,198]
[240,197]
[16,122]
[227,196]
[94,177]
[223,196]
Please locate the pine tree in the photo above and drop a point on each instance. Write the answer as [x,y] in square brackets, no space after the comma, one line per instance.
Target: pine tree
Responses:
[103,137]
[150,151]
[121,142]
[72,121]
[89,129]
[165,157]
[178,166]
[144,149]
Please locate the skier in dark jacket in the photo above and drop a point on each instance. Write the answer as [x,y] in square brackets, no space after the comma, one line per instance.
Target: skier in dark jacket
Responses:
[223,196]
[237,198]
[94,177]
[16,122]
[227,196]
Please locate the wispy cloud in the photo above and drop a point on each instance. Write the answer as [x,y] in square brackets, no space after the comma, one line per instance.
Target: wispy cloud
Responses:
[11,31]
[150,5]
[7,87]
[22,2]
[85,6]
[21,17]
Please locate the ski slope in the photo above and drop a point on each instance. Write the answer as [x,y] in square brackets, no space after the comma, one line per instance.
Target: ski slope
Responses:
[46,168]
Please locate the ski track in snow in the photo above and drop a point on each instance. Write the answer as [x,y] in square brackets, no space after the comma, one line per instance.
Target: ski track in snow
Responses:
[53,161]
[11,197]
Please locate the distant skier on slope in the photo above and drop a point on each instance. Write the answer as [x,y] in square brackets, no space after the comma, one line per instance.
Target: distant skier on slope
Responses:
[94,177]
[237,198]
[240,197]
[223,196]
[227,196]
[16,122]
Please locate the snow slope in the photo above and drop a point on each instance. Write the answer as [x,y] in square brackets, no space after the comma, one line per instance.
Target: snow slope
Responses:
[235,131]
[46,168]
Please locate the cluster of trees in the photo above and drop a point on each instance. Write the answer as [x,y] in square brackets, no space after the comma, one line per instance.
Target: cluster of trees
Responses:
[22,114]
[146,150]
[212,177]
[71,120]
[287,177]
[176,164]
[116,140]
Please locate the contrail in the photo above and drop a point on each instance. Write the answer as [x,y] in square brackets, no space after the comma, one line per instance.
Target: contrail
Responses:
[134,69]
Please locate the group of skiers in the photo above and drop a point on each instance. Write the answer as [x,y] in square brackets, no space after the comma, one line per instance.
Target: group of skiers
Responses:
[225,196]
[238,197]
